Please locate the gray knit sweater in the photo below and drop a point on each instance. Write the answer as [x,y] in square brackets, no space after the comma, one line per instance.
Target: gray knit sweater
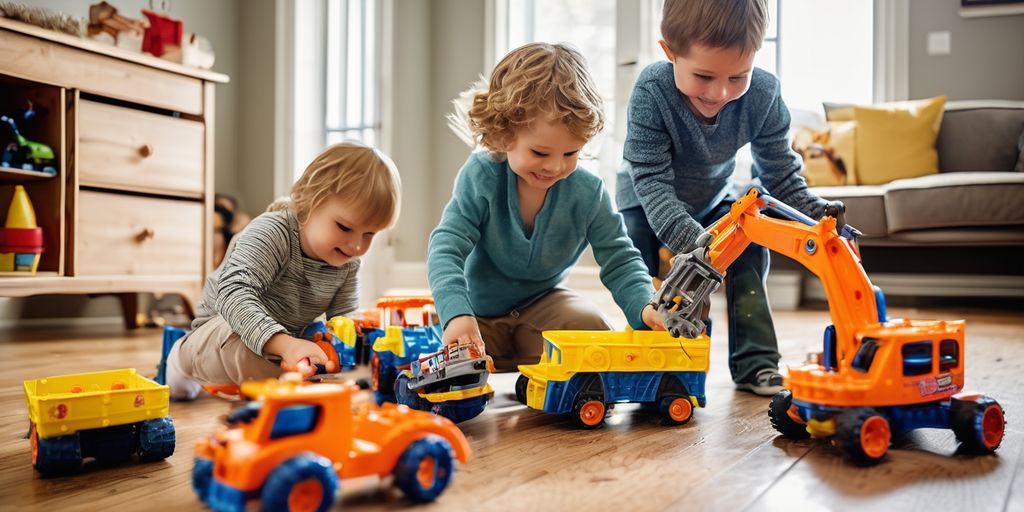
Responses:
[265,285]
[678,168]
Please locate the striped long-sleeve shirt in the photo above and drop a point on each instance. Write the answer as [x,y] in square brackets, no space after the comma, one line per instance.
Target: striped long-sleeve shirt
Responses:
[265,285]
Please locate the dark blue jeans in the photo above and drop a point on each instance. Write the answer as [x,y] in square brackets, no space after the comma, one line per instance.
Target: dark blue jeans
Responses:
[752,342]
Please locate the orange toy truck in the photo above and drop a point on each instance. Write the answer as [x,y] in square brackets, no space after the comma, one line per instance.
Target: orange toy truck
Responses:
[875,378]
[291,445]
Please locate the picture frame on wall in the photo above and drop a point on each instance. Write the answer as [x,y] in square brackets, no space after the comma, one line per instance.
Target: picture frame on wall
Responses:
[984,8]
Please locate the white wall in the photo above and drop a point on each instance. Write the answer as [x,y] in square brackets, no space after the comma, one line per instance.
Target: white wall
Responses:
[438,52]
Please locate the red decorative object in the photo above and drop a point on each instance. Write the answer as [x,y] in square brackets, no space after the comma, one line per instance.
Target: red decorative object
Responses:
[163,31]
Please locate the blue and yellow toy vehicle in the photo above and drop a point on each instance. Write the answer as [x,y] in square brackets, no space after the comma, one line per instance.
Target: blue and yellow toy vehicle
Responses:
[109,416]
[409,331]
[451,382]
[583,372]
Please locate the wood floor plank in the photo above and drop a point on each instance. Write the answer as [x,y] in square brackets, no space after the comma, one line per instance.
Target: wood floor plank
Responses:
[727,457]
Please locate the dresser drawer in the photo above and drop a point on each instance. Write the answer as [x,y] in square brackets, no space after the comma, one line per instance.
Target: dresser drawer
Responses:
[133,150]
[130,235]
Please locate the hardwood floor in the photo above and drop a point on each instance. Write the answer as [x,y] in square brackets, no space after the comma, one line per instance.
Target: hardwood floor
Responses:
[727,458]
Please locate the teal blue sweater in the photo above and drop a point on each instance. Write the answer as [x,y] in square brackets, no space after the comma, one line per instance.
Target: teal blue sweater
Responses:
[481,262]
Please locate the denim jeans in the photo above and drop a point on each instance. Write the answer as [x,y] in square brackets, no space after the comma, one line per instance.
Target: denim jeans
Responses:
[752,342]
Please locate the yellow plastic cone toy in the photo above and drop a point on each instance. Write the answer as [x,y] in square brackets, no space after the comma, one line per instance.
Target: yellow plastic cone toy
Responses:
[21,241]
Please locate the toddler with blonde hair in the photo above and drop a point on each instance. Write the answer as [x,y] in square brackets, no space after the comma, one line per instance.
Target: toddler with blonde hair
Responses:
[290,265]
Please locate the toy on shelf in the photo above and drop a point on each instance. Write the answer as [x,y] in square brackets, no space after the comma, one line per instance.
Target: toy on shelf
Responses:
[24,154]
[409,331]
[583,373]
[42,17]
[21,240]
[107,26]
[875,378]
[107,415]
[163,36]
[290,447]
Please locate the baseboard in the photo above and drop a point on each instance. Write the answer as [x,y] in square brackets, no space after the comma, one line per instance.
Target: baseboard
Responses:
[934,285]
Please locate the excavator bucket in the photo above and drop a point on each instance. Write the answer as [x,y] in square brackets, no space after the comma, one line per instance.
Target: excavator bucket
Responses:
[685,296]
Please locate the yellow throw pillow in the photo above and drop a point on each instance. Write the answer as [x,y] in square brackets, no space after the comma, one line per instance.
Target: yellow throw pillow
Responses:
[897,141]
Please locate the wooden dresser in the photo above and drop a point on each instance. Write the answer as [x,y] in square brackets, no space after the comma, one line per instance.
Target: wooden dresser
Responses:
[130,209]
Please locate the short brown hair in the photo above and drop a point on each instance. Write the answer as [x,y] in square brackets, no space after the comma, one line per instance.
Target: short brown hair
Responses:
[533,81]
[714,23]
[354,172]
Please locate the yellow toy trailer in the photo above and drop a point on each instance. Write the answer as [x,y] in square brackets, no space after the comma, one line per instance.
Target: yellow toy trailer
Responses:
[582,372]
[107,415]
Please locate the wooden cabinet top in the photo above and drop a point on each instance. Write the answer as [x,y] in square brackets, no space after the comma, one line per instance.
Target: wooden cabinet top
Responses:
[111,51]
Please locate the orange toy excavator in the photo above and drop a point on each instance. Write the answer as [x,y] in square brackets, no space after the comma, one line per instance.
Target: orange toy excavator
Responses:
[875,378]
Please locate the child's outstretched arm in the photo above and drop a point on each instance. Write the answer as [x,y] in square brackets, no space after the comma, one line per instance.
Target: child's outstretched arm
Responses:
[451,242]
[648,153]
[779,166]
[258,255]
[622,270]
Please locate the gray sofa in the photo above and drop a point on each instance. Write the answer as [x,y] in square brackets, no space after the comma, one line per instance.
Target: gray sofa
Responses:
[958,232]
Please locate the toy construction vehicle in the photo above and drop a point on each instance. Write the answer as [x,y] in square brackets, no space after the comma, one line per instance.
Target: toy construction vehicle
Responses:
[24,154]
[290,447]
[875,378]
[109,416]
[583,373]
[409,331]
[451,382]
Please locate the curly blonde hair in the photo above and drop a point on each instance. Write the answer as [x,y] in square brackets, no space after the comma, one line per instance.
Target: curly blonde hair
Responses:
[534,81]
[363,176]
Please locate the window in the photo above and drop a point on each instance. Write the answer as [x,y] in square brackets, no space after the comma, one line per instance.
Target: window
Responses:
[334,79]
[353,74]
[294,420]
[917,358]
[865,355]
[949,355]
[590,26]
[821,59]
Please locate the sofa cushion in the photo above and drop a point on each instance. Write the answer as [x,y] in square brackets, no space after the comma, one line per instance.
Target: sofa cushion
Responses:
[980,135]
[955,199]
[897,141]
[865,206]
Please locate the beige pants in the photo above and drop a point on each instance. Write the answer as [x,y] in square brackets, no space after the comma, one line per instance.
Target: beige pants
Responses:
[515,338]
[214,354]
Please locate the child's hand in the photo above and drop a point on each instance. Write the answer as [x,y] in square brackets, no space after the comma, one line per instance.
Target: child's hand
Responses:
[294,351]
[652,319]
[464,329]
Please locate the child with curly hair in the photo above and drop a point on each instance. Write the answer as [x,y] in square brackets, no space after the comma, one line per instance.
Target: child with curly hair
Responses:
[522,212]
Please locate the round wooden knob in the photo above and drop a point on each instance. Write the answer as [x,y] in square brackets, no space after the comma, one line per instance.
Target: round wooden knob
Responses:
[145,234]
[146,151]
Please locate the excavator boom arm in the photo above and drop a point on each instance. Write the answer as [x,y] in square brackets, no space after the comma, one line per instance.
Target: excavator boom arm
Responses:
[684,297]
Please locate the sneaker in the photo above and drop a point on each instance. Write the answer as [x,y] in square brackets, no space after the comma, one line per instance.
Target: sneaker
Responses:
[767,382]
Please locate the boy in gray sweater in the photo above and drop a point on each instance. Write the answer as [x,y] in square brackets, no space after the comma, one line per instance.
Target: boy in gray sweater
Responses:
[686,120]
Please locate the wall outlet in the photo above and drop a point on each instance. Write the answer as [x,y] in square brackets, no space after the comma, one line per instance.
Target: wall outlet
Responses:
[939,43]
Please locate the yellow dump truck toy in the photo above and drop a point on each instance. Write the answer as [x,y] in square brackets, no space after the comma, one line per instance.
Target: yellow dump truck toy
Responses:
[108,416]
[582,373]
